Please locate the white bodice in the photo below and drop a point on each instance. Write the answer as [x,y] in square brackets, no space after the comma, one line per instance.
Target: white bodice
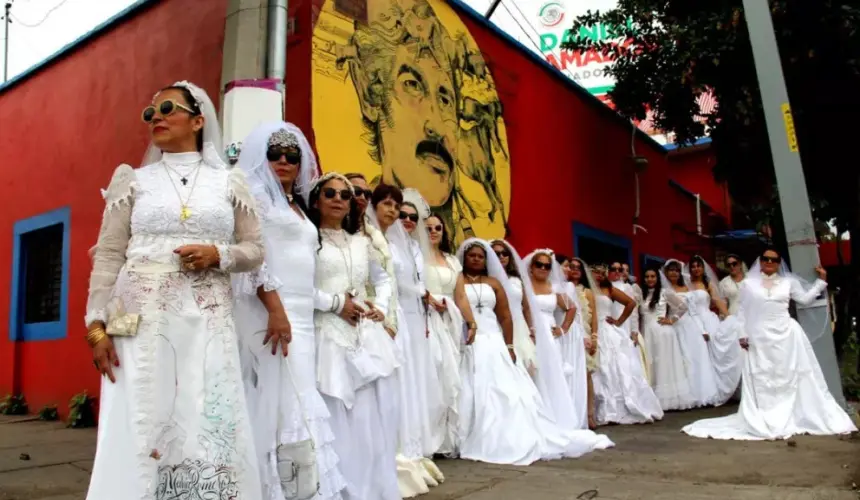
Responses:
[291,245]
[659,310]
[442,280]
[701,299]
[482,298]
[157,227]
[547,305]
[343,263]
[731,290]
[603,304]
[516,298]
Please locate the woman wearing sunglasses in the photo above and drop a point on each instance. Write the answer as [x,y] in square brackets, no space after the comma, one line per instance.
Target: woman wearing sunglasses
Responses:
[357,360]
[420,395]
[784,392]
[275,312]
[160,313]
[452,325]
[730,286]
[524,330]
[583,285]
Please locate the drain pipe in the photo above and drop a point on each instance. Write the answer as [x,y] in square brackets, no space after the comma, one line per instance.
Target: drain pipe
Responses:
[276,53]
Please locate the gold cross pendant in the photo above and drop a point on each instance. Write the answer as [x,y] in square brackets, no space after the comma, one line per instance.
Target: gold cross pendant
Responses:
[184,213]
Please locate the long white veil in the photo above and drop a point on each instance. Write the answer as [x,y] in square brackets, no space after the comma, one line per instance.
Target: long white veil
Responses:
[420,234]
[262,181]
[213,151]
[673,299]
[713,279]
[551,380]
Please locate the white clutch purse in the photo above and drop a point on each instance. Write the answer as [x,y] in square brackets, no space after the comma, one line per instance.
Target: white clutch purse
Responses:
[121,323]
[297,462]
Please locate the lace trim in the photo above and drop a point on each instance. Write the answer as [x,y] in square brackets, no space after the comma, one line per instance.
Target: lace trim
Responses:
[226,258]
[382,255]
[121,188]
[240,193]
[248,283]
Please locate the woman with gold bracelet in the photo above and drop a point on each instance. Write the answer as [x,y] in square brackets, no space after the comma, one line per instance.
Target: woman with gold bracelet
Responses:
[160,314]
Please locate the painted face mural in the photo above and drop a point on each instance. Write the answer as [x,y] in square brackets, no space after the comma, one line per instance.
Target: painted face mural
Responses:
[406,98]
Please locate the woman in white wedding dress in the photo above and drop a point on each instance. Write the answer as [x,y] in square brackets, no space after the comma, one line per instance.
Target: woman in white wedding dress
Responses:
[172,408]
[688,326]
[416,385]
[558,308]
[784,392]
[524,330]
[504,419]
[583,284]
[621,389]
[275,312]
[723,345]
[356,357]
[669,368]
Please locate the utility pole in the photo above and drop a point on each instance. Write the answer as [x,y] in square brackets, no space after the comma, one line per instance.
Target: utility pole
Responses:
[794,200]
[7,20]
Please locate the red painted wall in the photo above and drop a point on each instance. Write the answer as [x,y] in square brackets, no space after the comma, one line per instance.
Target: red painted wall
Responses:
[65,129]
[694,171]
[78,118]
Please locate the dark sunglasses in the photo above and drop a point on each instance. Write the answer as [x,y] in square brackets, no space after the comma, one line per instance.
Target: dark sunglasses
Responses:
[165,108]
[275,154]
[330,193]
[436,229]
[543,265]
[614,269]
[733,263]
[503,253]
[404,216]
[363,193]
[772,260]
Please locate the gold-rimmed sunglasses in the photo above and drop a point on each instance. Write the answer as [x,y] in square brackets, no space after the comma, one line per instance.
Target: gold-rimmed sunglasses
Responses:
[165,108]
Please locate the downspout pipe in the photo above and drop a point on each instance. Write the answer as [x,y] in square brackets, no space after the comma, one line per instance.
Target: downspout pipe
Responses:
[276,51]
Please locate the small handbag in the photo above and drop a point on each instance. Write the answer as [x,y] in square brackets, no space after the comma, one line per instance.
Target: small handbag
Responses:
[297,462]
[121,323]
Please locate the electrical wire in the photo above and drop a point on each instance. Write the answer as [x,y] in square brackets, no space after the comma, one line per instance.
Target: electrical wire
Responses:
[535,31]
[44,18]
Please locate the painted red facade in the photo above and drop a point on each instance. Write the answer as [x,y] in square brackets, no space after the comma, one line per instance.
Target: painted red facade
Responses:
[69,124]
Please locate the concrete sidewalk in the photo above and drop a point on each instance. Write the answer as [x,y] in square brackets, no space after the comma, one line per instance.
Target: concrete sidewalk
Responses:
[649,462]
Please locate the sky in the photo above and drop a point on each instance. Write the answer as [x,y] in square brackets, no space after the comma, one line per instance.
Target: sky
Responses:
[33,37]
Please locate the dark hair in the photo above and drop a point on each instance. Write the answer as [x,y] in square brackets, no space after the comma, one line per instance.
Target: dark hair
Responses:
[511,269]
[192,104]
[733,256]
[444,244]
[697,259]
[770,249]
[584,269]
[484,271]
[385,191]
[676,265]
[561,258]
[350,223]
[655,297]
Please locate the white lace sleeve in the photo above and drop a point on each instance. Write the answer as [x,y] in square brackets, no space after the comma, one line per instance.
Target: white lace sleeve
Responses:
[246,254]
[381,279]
[115,232]
[662,306]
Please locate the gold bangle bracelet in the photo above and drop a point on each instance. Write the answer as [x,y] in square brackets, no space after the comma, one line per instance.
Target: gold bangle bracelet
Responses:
[93,338]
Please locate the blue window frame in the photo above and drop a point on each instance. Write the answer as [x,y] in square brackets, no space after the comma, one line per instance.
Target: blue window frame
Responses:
[596,246]
[40,277]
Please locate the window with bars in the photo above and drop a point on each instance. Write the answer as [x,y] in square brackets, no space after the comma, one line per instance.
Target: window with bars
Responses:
[42,274]
[40,277]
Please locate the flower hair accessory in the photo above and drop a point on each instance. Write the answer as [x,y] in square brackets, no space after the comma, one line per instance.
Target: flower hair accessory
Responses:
[332,175]
[545,251]
[193,90]
[284,139]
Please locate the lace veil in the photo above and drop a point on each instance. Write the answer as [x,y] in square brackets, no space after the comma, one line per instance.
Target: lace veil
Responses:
[213,150]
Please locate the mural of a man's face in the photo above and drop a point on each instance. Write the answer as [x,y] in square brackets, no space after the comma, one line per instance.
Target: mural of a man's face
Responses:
[419,140]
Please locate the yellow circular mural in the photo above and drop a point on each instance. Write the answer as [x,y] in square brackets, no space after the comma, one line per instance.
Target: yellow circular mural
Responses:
[402,94]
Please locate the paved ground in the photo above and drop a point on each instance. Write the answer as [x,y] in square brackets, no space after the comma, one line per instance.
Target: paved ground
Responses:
[650,462]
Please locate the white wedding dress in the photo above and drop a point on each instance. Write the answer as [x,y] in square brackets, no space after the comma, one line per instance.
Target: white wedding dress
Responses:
[622,393]
[175,423]
[689,330]
[355,364]
[279,415]
[524,346]
[670,371]
[447,330]
[503,418]
[724,350]
[784,392]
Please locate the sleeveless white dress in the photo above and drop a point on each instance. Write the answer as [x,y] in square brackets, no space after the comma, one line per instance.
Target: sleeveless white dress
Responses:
[670,370]
[503,418]
[177,411]
[279,415]
[723,348]
[621,392]
[354,364]
[447,336]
